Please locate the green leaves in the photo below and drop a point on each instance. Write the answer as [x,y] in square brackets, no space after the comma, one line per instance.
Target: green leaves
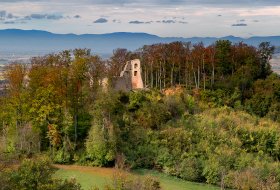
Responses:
[265,52]
[100,146]
[37,175]
[33,174]
[44,107]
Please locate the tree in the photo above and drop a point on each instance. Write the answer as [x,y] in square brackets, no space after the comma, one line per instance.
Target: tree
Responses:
[37,175]
[101,143]
[118,61]
[223,51]
[17,103]
[100,146]
[265,53]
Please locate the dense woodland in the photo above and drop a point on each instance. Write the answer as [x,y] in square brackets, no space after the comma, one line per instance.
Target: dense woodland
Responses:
[208,114]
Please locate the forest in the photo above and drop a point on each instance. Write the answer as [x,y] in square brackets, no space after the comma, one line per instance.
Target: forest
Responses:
[208,114]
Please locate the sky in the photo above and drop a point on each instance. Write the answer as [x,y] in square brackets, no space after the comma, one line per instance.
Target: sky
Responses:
[165,18]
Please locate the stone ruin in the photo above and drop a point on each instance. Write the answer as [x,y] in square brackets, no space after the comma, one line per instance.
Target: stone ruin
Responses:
[130,78]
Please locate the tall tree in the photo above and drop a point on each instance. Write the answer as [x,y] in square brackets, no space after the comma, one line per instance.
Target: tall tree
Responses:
[265,52]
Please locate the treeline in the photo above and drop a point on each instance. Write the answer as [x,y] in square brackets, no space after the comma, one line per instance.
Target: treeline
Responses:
[223,71]
[197,66]
[57,105]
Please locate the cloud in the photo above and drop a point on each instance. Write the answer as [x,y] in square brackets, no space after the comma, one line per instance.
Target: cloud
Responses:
[116,21]
[8,18]
[77,16]
[38,16]
[168,21]
[43,16]
[140,22]
[183,22]
[11,16]
[161,2]
[54,17]
[136,22]
[3,15]
[101,20]
[240,24]
[9,22]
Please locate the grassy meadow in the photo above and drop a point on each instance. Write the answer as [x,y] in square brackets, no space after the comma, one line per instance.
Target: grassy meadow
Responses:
[98,177]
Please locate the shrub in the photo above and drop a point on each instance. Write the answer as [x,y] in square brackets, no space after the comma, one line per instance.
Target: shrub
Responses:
[244,180]
[124,181]
[36,175]
[62,156]
[31,174]
[190,169]
[251,179]
[61,185]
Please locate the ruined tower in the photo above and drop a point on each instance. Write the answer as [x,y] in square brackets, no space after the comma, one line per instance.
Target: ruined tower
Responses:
[130,78]
[136,79]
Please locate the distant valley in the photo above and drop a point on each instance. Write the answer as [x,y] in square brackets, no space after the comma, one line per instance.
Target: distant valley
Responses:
[38,42]
[20,45]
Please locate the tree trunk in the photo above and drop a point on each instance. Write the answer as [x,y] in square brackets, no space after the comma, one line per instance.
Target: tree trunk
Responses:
[213,72]
[186,74]
[204,74]
[198,77]
[164,80]
[160,73]
[152,77]
[75,126]
[145,77]
[194,75]
[156,78]
[179,74]
[172,71]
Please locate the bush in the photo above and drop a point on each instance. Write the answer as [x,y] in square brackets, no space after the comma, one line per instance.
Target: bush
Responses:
[31,174]
[190,169]
[245,180]
[61,185]
[251,179]
[36,175]
[124,181]
[62,156]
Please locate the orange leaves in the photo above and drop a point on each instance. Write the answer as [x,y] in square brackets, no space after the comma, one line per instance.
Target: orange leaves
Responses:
[16,75]
[54,135]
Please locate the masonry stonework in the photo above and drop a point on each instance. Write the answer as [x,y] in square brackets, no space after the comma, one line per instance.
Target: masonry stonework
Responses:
[130,78]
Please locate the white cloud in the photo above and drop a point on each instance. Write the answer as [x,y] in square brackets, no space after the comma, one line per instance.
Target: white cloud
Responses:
[191,18]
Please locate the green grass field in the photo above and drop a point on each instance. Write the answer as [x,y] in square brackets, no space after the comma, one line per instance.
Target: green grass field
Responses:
[94,177]
[172,183]
[87,180]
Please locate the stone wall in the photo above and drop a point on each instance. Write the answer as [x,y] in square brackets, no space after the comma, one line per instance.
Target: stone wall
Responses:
[137,82]
[130,78]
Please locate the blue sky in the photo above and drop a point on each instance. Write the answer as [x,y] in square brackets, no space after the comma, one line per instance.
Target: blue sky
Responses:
[173,18]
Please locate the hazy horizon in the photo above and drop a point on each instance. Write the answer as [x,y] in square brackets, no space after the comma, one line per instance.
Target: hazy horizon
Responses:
[195,36]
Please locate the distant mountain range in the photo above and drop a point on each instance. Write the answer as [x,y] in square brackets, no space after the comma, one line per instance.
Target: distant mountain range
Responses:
[15,40]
